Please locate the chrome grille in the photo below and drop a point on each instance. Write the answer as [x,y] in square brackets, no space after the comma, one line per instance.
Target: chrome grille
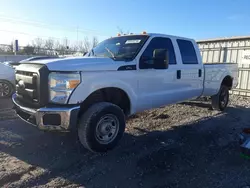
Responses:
[26,85]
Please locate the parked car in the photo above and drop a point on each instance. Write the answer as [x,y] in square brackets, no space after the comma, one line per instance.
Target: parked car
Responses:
[7,80]
[35,58]
[13,64]
[119,77]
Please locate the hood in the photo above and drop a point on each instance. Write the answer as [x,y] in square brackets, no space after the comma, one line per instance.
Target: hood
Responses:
[79,64]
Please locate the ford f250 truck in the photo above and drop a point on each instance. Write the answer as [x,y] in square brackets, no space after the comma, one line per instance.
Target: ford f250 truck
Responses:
[121,76]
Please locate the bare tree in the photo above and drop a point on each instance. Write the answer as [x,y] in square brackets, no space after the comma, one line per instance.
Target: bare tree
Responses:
[86,44]
[80,46]
[74,47]
[3,49]
[38,44]
[49,44]
[94,42]
[29,50]
[64,47]
[57,47]
[122,32]
[66,43]
[9,48]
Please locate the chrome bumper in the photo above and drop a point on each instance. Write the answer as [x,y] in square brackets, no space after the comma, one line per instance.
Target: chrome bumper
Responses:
[64,118]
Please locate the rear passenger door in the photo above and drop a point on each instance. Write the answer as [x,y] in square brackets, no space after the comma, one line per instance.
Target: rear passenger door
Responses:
[191,73]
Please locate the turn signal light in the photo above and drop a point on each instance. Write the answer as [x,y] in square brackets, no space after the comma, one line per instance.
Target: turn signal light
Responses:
[72,84]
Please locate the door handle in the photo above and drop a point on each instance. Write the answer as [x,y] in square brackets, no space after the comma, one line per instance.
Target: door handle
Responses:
[178,74]
[200,73]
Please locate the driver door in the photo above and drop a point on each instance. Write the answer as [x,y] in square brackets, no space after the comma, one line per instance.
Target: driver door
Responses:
[158,87]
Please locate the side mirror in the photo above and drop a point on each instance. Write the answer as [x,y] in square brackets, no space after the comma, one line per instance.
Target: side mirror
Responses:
[160,58]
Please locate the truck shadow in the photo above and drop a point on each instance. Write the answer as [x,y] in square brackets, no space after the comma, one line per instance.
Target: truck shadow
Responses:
[6,103]
[198,104]
[153,157]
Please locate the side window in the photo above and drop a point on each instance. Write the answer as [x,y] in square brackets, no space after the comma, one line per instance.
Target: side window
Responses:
[156,43]
[187,50]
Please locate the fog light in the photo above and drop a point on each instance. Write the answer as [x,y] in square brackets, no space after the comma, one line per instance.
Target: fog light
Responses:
[52,119]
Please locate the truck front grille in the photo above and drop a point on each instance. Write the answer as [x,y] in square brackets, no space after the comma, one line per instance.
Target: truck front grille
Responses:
[26,85]
[32,84]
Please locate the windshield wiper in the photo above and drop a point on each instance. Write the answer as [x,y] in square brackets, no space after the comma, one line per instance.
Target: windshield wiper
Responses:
[110,52]
[92,51]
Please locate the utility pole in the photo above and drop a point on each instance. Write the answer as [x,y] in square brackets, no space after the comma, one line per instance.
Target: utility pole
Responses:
[77,34]
[15,46]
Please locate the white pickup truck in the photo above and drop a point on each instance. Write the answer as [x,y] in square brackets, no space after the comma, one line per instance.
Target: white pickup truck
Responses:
[121,76]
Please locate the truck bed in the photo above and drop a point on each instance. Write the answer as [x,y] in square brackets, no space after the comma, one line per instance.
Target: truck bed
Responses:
[214,73]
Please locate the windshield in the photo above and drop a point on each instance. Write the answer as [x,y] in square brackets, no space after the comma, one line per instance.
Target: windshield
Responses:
[123,48]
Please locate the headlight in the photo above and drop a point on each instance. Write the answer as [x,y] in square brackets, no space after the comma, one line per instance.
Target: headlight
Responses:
[61,86]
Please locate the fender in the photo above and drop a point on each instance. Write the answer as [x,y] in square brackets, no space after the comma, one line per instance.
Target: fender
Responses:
[92,82]
[221,80]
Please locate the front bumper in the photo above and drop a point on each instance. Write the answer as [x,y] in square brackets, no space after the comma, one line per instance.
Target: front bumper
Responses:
[58,118]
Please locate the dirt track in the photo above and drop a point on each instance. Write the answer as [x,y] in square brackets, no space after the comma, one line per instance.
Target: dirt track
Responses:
[185,145]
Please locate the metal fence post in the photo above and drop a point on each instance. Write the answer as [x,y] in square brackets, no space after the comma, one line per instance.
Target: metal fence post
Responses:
[225,55]
[219,60]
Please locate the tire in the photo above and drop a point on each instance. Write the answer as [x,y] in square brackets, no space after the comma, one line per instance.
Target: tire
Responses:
[101,127]
[221,99]
[6,89]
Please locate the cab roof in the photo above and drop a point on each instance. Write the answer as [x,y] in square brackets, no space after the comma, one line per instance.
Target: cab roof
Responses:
[156,35]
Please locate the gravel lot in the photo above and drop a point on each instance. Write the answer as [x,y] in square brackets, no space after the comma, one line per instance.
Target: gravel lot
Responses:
[184,145]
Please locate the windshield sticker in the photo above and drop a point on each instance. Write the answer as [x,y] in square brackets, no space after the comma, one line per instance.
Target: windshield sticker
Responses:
[132,41]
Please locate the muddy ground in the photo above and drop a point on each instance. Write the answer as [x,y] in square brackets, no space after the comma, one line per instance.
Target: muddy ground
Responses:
[179,146]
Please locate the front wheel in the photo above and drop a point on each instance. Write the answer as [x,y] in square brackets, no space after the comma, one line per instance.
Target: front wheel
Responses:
[6,89]
[101,127]
[220,100]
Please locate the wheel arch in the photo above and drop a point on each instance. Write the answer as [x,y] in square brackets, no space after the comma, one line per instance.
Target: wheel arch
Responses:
[227,81]
[114,95]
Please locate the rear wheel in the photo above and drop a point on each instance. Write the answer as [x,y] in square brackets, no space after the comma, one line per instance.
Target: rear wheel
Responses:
[101,127]
[6,89]
[221,99]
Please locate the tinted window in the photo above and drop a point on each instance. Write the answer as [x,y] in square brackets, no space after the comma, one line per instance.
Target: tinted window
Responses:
[157,43]
[187,50]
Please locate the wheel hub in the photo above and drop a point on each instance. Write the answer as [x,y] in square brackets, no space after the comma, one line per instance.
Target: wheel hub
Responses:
[4,89]
[107,129]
